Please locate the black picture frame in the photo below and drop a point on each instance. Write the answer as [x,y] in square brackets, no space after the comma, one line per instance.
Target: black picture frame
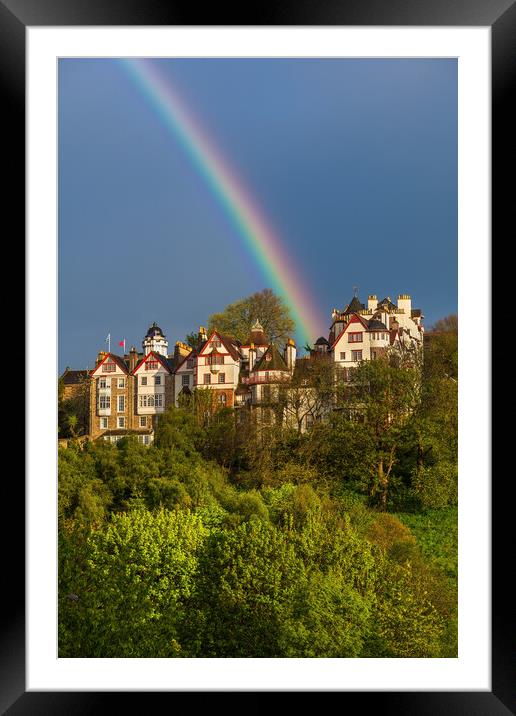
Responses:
[500,16]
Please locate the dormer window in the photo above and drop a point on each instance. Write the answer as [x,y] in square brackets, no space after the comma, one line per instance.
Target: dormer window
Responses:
[215,343]
[108,367]
[151,365]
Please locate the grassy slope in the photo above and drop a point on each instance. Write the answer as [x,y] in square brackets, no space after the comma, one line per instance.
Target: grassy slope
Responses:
[436,532]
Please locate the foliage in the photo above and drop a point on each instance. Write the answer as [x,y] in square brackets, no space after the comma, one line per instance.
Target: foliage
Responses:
[436,532]
[230,538]
[131,586]
[73,409]
[271,310]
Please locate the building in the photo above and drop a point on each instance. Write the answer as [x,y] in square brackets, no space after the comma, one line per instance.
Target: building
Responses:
[128,393]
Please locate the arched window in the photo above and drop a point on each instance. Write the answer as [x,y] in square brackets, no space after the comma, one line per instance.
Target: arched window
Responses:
[222,399]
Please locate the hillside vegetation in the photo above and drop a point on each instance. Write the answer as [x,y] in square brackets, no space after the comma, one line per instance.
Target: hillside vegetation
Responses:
[228,539]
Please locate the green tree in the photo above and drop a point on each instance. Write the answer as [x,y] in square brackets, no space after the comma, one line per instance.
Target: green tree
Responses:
[129,587]
[384,396]
[73,411]
[271,310]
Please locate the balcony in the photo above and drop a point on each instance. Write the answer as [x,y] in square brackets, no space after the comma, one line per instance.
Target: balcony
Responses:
[257,379]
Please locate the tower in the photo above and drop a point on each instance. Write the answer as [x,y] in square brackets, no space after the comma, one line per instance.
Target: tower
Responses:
[155,340]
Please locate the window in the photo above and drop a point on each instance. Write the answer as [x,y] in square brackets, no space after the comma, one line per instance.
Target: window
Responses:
[222,399]
[121,382]
[143,421]
[189,363]
[185,380]
[158,400]
[121,403]
[157,380]
[145,439]
[222,377]
[103,423]
[104,383]
[143,380]
[356,355]
[104,402]
[207,379]
[108,367]
[215,360]
[121,422]
[355,337]
[343,355]
[151,365]
[215,344]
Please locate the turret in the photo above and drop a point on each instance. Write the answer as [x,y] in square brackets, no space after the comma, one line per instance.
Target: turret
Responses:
[258,336]
[155,340]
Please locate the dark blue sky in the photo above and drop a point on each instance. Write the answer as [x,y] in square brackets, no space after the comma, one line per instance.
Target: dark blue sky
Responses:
[354,162]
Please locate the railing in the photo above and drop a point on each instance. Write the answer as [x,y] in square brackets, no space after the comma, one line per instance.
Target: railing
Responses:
[268,379]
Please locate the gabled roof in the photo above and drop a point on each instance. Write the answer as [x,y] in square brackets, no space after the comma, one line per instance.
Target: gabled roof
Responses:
[153,356]
[173,363]
[354,318]
[388,304]
[116,359]
[393,336]
[74,377]
[230,344]
[193,354]
[274,362]
[321,341]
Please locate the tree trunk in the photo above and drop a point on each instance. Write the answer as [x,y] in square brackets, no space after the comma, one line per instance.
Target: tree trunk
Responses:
[382,481]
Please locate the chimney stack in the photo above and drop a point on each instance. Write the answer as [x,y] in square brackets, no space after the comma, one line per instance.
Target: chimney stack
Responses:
[181,349]
[405,303]
[372,302]
[252,357]
[290,353]
[133,359]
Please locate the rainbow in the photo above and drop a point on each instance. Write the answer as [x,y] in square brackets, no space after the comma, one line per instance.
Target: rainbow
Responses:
[263,244]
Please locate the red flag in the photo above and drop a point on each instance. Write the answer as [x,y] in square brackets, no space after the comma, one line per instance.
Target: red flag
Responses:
[122,343]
